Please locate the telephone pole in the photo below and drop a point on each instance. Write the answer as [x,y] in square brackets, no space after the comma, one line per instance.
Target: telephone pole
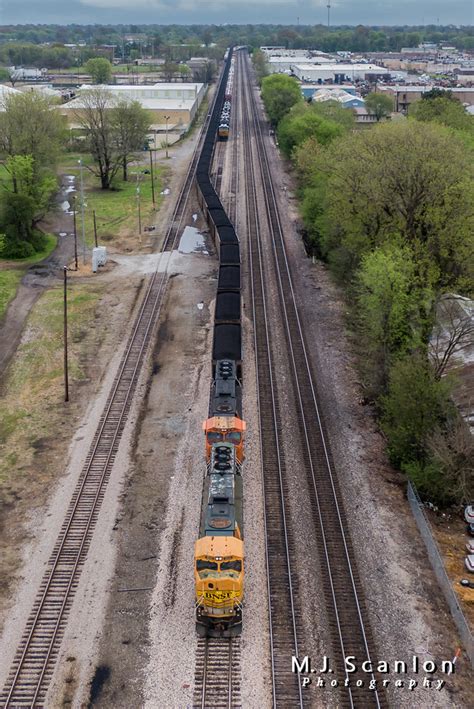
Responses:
[66,374]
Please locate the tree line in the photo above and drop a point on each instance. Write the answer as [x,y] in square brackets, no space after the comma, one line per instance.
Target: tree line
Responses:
[390,210]
[155,37]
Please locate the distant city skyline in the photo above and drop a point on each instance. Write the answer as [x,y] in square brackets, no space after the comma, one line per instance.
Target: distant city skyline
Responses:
[350,12]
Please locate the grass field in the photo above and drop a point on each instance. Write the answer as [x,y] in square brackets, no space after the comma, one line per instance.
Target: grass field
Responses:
[116,209]
[33,390]
[9,282]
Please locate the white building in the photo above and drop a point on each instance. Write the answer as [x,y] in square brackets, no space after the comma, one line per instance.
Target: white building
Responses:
[346,99]
[6,91]
[172,106]
[338,73]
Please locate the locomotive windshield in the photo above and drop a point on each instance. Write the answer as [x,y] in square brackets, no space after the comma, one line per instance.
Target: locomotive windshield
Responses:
[231,566]
[202,564]
[214,437]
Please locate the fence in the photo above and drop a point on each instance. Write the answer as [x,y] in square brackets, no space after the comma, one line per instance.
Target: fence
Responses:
[438,567]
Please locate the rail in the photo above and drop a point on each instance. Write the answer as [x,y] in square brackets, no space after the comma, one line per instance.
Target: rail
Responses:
[36,655]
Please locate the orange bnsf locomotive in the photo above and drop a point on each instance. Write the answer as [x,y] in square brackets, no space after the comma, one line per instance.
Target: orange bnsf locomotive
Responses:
[219,552]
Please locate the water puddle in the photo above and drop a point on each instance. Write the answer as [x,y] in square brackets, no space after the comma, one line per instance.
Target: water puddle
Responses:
[192,242]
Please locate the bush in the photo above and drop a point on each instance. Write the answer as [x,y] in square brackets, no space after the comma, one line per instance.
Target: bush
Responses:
[429,480]
[416,403]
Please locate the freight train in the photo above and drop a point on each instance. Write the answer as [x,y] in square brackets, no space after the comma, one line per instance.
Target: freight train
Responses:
[219,551]
[224,122]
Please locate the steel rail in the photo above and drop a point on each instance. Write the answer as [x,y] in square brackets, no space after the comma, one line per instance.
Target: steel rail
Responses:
[217,685]
[257,281]
[279,248]
[73,518]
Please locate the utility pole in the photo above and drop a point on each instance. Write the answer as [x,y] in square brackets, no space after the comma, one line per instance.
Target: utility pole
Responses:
[329,12]
[75,231]
[95,230]
[167,118]
[152,179]
[82,216]
[139,213]
[66,377]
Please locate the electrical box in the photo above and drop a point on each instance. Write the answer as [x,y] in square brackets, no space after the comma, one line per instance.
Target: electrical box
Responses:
[99,257]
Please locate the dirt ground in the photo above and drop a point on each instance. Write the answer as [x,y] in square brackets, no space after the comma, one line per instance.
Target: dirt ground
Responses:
[23,497]
[449,530]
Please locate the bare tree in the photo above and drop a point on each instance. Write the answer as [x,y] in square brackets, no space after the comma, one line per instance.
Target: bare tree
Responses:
[453,450]
[94,116]
[453,332]
[131,124]
[115,130]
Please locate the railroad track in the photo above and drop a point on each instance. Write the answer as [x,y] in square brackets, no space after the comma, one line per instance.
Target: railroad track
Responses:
[37,653]
[217,680]
[281,580]
[345,606]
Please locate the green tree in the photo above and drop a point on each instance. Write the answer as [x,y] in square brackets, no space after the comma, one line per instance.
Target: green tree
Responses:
[394,182]
[392,310]
[100,70]
[4,75]
[40,185]
[279,94]
[415,405]
[333,111]
[169,69]
[380,105]
[303,122]
[184,71]
[260,64]
[446,111]
[31,125]
[130,125]
[17,213]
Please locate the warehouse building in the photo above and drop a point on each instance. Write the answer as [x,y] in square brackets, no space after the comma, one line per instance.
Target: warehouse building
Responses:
[406,95]
[338,73]
[172,106]
[346,99]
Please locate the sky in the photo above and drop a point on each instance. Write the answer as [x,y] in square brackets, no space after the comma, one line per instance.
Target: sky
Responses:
[351,12]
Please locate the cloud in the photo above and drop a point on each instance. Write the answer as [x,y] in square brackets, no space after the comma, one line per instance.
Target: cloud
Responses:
[351,12]
[193,5]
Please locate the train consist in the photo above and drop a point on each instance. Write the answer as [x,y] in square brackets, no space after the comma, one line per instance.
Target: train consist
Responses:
[219,551]
[224,123]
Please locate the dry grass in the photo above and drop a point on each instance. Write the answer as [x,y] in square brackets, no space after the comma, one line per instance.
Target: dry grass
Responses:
[32,408]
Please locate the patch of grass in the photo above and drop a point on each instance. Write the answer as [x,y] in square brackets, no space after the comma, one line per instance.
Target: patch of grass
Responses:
[9,282]
[71,161]
[117,209]
[34,386]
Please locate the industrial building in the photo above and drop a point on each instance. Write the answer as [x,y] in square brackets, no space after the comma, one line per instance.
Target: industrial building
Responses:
[338,73]
[406,95]
[346,99]
[172,106]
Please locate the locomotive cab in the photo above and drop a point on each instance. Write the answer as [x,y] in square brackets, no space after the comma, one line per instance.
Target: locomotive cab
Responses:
[228,429]
[219,578]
